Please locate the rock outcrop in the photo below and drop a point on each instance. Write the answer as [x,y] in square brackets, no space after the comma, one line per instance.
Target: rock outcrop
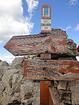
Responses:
[14,88]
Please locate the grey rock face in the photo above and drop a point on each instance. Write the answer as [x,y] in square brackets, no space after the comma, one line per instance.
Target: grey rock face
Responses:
[17,63]
[74,86]
[14,88]
[4,63]
[3,67]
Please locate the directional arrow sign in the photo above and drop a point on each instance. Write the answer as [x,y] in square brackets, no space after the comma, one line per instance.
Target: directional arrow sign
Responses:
[56,42]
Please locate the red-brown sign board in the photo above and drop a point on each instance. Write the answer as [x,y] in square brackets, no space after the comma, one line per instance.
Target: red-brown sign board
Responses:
[51,69]
[56,42]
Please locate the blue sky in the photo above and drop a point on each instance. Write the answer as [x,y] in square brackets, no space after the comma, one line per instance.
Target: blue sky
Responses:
[25,19]
[64,15]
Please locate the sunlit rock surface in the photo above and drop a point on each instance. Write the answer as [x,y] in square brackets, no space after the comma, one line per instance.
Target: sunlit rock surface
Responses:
[14,88]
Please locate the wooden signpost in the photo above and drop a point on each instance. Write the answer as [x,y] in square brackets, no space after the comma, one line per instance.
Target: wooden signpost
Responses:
[52,61]
[55,56]
[36,44]
[51,69]
[49,48]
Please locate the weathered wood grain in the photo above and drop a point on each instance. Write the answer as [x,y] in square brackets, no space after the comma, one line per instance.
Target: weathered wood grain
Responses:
[51,69]
[55,42]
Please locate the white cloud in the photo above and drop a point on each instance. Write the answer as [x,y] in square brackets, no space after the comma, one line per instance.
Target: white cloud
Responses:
[7,58]
[10,26]
[77,27]
[32,4]
[73,2]
[68,28]
[77,58]
[10,7]
[12,21]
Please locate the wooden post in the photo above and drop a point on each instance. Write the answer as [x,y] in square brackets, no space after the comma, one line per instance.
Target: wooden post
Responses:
[45,97]
[44,93]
